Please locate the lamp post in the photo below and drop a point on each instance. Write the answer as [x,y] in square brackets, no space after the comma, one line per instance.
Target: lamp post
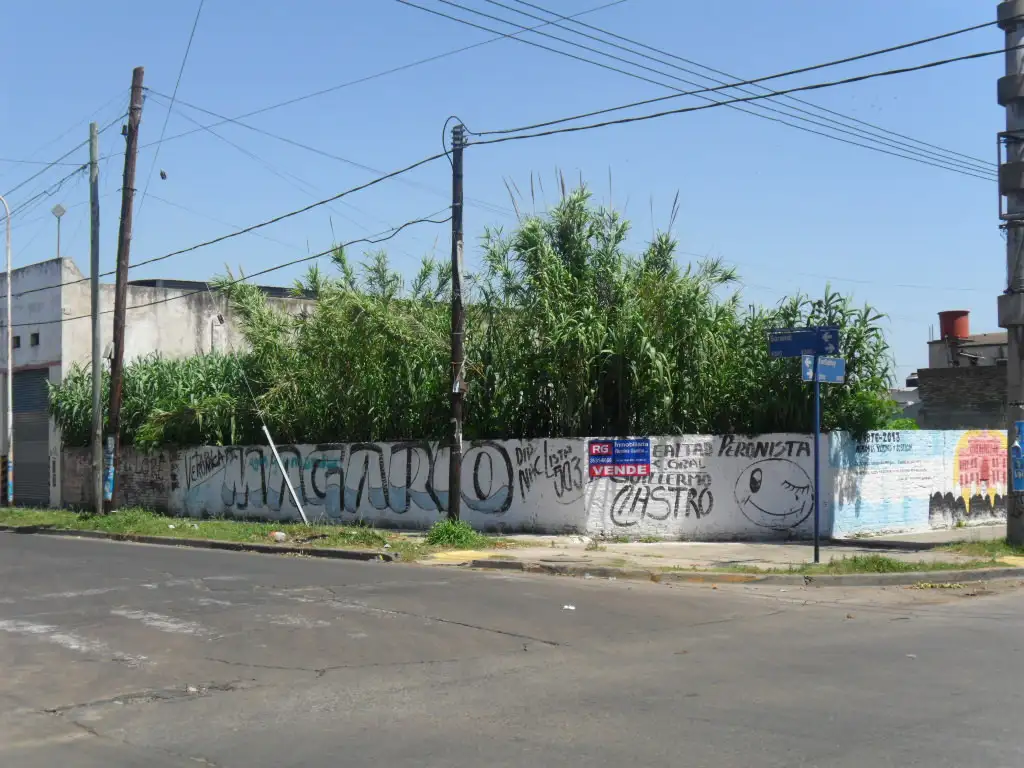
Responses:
[10,367]
[58,210]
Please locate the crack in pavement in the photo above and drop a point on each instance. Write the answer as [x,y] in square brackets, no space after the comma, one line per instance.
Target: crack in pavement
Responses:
[321,671]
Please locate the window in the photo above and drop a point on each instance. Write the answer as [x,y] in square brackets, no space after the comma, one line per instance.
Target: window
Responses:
[34,339]
[17,342]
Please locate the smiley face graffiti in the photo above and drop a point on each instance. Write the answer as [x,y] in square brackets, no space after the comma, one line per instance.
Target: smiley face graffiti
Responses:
[775,493]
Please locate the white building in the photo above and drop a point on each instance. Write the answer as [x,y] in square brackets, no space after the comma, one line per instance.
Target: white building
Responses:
[52,330]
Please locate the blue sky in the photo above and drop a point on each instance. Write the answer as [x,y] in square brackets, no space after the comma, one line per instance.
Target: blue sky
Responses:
[791,210]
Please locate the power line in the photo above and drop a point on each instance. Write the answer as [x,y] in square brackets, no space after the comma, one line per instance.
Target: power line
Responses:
[372,240]
[250,228]
[72,127]
[289,178]
[657,82]
[913,145]
[734,77]
[483,204]
[59,159]
[174,95]
[683,110]
[376,75]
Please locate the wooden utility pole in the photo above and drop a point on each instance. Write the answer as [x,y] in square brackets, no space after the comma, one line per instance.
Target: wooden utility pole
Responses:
[458,328]
[124,241]
[97,344]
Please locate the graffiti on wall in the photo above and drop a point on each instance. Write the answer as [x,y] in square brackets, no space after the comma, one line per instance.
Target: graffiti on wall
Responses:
[377,479]
[979,469]
[700,482]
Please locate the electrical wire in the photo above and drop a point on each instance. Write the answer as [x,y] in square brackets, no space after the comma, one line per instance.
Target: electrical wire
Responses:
[482,204]
[67,154]
[735,77]
[971,163]
[376,75]
[167,117]
[289,178]
[945,162]
[680,93]
[72,127]
[372,240]
[683,110]
[251,228]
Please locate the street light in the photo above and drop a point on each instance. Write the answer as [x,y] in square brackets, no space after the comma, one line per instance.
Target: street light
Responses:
[58,210]
[10,368]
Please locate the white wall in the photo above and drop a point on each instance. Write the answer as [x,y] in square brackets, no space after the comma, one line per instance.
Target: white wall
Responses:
[705,487]
[507,485]
[702,487]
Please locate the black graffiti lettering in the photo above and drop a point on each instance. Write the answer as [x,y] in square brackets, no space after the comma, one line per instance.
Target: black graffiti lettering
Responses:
[700,503]
[497,499]
[617,509]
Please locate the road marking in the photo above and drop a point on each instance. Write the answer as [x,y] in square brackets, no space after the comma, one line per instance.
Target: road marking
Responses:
[211,601]
[68,640]
[162,622]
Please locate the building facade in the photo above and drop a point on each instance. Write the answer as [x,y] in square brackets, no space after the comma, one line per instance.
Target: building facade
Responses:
[52,331]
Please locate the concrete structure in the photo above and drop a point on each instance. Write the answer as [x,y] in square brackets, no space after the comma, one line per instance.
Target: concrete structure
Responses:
[53,331]
[1010,94]
[700,487]
[964,385]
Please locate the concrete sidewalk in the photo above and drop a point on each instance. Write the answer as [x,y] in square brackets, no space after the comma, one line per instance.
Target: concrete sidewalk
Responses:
[581,551]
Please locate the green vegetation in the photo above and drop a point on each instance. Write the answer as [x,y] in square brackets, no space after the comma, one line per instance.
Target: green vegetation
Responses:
[867,564]
[455,534]
[901,425]
[141,522]
[568,334]
[992,549]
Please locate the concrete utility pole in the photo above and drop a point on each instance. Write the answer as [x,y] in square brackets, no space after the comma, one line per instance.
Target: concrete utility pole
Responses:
[94,291]
[1010,15]
[10,366]
[458,328]
[124,241]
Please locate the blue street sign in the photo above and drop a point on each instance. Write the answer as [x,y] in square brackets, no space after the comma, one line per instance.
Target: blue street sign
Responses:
[831,370]
[1017,458]
[796,342]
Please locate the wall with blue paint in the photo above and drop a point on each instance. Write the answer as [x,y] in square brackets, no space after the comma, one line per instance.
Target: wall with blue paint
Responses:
[917,480]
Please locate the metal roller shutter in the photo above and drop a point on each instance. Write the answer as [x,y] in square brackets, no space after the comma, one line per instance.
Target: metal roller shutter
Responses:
[31,439]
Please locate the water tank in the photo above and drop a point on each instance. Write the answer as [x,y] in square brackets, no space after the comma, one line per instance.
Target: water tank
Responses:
[954,324]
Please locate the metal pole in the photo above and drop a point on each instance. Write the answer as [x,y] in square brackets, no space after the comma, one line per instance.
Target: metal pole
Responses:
[1010,16]
[817,463]
[284,473]
[58,237]
[121,287]
[458,329]
[10,366]
[94,291]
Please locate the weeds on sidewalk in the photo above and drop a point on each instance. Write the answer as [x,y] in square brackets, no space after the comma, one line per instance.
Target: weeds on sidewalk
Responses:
[142,522]
[865,564]
[990,548]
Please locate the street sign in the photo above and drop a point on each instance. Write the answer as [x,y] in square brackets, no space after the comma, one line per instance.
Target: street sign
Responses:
[797,342]
[831,370]
[1017,458]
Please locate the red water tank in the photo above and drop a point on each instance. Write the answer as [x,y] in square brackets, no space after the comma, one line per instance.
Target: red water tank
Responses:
[954,324]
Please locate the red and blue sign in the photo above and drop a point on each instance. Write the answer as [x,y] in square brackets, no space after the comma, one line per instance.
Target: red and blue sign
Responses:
[620,458]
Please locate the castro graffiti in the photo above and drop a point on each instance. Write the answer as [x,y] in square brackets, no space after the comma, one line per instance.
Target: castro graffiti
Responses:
[679,486]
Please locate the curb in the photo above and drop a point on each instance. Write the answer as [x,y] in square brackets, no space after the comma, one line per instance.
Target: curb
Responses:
[230,546]
[907,578]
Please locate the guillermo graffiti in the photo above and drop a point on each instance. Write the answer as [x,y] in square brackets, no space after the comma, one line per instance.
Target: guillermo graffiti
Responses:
[378,480]
[711,487]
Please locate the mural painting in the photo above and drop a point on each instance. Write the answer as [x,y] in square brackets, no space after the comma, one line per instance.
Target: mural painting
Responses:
[979,469]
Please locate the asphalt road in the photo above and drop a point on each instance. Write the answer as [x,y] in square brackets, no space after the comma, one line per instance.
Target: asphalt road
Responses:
[122,655]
